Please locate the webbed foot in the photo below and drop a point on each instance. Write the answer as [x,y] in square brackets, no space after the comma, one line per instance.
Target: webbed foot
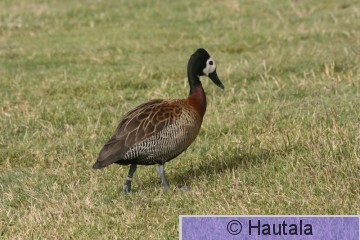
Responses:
[184,188]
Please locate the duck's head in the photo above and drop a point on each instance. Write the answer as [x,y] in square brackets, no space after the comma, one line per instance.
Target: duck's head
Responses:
[202,64]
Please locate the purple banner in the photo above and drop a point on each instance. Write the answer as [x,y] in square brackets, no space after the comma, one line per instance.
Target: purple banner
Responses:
[269,227]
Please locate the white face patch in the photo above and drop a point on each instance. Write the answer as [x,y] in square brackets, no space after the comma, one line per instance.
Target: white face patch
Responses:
[210,67]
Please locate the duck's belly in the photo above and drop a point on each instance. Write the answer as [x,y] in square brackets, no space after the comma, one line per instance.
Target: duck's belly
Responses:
[165,145]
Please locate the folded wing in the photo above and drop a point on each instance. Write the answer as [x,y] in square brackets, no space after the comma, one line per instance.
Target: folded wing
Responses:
[138,125]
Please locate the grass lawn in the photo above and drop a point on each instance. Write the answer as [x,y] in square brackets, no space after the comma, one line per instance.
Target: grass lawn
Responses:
[282,138]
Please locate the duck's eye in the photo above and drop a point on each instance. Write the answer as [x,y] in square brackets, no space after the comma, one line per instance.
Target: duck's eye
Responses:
[211,63]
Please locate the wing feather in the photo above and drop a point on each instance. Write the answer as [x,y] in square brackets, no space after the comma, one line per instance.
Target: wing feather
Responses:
[137,125]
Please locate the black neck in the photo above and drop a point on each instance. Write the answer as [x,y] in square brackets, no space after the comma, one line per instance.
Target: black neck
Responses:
[194,81]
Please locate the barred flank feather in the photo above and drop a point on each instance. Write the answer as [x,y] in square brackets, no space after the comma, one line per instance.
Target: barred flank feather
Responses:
[154,132]
[172,140]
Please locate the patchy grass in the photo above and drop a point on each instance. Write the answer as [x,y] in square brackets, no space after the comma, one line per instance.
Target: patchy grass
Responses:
[282,138]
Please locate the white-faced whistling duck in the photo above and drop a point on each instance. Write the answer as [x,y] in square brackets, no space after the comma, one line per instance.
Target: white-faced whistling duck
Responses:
[159,130]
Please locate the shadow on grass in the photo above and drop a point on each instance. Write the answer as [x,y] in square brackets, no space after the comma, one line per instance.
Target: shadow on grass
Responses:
[216,166]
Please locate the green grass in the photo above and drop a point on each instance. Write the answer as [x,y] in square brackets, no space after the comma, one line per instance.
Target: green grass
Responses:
[282,138]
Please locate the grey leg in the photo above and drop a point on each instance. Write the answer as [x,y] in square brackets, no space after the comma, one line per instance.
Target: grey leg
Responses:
[127,185]
[162,176]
